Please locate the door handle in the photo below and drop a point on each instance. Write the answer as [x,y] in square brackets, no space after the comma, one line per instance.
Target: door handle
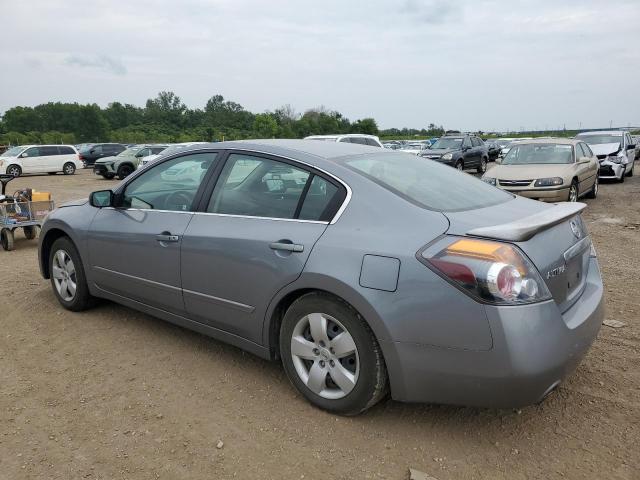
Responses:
[287,247]
[167,237]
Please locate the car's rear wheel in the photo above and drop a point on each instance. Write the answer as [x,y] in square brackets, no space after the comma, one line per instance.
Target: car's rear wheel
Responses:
[573,192]
[593,193]
[14,170]
[124,171]
[67,276]
[482,168]
[68,168]
[459,165]
[331,355]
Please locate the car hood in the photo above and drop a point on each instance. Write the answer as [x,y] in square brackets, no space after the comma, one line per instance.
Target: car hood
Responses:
[74,203]
[439,151]
[526,172]
[605,148]
[106,160]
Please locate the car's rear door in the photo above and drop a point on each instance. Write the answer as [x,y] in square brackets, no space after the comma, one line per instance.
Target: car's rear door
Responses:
[251,237]
[134,249]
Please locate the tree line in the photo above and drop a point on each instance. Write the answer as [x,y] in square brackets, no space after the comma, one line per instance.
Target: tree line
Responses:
[166,118]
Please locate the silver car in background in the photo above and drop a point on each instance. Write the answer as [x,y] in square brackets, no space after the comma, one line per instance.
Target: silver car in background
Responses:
[615,150]
[364,271]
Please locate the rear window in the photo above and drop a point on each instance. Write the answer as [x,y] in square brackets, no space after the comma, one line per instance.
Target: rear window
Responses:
[426,183]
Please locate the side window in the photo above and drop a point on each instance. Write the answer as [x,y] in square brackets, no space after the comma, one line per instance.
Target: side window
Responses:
[96,150]
[32,152]
[359,140]
[587,150]
[64,150]
[474,142]
[157,150]
[345,140]
[48,151]
[372,142]
[466,142]
[258,187]
[170,185]
[143,153]
[579,151]
[321,202]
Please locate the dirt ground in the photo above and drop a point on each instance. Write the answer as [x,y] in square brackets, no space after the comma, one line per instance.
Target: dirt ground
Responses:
[112,393]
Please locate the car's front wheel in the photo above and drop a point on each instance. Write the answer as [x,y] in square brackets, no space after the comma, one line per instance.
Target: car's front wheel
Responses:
[573,192]
[14,170]
[459,165]
[630,174]
[67,276]
[331,355]
[124,171]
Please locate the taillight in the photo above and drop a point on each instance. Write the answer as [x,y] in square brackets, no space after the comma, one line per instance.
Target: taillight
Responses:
[80,157]
[493,272]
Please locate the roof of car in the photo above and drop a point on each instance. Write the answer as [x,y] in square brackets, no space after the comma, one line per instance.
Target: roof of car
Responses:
[287,147]
[604,132]
[336,135]
[561,141]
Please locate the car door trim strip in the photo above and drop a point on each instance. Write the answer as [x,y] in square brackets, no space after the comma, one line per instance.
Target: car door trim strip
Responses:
[222,301]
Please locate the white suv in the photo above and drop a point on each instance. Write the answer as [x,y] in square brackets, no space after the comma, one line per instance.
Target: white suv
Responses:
[359,138]
[615,150]
[40,159]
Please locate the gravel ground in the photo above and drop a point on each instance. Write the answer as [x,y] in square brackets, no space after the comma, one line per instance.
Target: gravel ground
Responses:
[112,393]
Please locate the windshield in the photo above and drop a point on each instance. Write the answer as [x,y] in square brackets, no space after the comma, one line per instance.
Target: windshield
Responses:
[426,183]
[600,139]
[129,152]
[539,153]
[448,142]
[12,152]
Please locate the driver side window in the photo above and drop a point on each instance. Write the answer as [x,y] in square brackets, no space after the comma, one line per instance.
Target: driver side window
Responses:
[170,185]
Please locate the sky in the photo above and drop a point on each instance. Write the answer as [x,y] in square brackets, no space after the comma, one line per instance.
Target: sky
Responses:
[470,65]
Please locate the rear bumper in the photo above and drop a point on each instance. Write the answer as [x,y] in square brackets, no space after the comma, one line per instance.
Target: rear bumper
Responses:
[544,195]
[534,348]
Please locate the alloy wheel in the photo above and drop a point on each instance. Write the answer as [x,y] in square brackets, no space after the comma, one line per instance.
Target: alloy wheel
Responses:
[573,193]
[325,356]
[459,166]
[69,169]
[14,170]
[64,275]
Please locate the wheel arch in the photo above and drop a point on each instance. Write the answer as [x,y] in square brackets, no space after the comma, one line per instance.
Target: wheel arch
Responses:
[46,242]
[318,283]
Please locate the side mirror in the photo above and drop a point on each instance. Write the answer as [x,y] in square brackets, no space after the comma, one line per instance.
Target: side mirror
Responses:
[584,160]
[23,155]
[92,151]
[101,198]
[139,155]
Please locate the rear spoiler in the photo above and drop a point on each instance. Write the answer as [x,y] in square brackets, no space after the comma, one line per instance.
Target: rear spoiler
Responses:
[525,228]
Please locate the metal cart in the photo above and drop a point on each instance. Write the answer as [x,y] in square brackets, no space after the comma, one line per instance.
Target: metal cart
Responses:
[26,215]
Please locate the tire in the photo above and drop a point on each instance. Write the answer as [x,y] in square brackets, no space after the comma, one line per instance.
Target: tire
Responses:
[573,192]
[459,165]
[109,176]
[30,232]
[482,167]
[621,179]
[6,239]
[593,193]
[80,299]
[124,171]
[68,168]
[14,170]
[361,371]
[630,174]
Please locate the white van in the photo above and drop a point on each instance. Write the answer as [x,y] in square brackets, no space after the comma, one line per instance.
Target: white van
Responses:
[359,138]
[49,159]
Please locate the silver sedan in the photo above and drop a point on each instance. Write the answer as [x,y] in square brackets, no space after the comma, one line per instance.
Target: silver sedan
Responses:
[364,271]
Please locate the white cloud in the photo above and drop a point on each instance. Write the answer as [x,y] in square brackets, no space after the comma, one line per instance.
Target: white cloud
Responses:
[466,64]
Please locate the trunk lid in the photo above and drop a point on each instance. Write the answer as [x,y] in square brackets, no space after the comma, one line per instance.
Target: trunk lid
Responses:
[553,236]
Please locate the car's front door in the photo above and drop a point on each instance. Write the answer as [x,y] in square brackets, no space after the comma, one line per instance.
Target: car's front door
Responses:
[252,238]
[31,160]
[134,248]
[468,153]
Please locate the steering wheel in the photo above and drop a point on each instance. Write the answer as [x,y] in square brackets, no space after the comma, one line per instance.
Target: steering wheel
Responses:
[178,201]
